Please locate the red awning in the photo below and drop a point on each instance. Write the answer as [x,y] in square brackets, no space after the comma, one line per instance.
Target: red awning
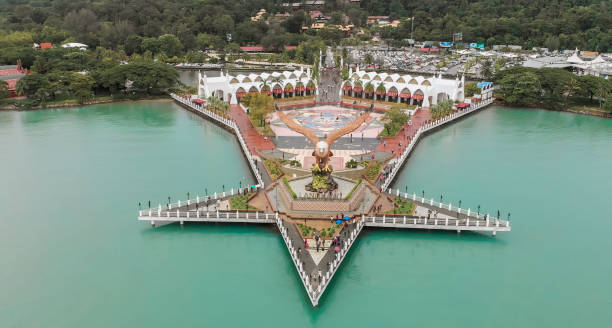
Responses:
[277,91]
[392,93]
[289,90]
[300,89]
[462,105]
[347,88]
[267,92]
[424,49]
[240,94]
[405,95]
[418,97]
[310,88]
[380,93]
[198,101]
[253,92]
[357,89]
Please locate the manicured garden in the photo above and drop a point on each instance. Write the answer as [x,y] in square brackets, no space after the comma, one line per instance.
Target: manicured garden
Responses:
[402,206]
[240,202]
[308,231]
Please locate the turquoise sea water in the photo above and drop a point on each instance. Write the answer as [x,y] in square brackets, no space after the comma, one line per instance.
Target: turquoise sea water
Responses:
[73,254]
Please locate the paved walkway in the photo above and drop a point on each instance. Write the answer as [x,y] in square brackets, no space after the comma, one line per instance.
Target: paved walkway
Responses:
[419,118]
[254,140]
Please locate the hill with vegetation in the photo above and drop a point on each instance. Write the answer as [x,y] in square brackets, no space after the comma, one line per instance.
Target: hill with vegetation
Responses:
[182,28]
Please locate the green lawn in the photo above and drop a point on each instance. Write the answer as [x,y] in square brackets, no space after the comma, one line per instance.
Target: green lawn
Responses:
[240,202]
[403,207]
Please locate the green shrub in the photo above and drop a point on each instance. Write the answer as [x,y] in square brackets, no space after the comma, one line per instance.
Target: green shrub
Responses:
[353,189]
[286,182]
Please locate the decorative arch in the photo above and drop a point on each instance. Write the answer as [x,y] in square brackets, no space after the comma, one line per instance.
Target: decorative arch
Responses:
[392,92]
[376,78]
[246,80]
[365,77]
[413,81]
[388,79]
[292,76]
[253,89]
[266,90]
[240,92]
[303,75]
[277,90]
[355,76]
[381,91]
[347,88]
[401,80]
[234,80]
[442,96]
[310,87]
[405,94]
[426,82]
[418,96]
[258,79]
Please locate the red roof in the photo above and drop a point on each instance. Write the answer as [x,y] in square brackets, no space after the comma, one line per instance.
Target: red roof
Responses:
[252,48]
[290,47]
[424,49]
[46,45]
[10,71]
[434,49]
[461,105]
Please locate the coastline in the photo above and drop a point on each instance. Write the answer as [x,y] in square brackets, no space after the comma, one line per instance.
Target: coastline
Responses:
[89,103]
[569,110]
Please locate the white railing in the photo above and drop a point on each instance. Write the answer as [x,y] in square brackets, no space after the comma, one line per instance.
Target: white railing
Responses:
[229,123]
[315,293]
[335,264]
[424,128]
[203,215]
[475,216]
[200,199]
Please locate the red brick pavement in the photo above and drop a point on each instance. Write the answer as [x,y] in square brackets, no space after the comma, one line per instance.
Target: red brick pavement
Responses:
[419,118]
[249,133]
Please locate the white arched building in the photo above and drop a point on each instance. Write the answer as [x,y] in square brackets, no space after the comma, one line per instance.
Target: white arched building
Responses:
[279,84]
[403,88]
[390,87]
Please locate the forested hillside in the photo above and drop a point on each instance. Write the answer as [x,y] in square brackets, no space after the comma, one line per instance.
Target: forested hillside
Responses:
[556,24]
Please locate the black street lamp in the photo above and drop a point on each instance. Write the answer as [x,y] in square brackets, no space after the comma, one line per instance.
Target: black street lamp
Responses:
[206,191]
[440,199]
[478,210]
[149,204]
[168,199]
[508,216]
[498,214]
[406,189]
[460,203]
[423,192]
[188,195]
[223,188]
[240,184]
[139,206]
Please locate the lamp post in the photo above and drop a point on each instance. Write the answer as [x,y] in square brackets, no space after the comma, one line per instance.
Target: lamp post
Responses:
[478,210]
[149,204]
[423,193]
[440,199]
[139,206]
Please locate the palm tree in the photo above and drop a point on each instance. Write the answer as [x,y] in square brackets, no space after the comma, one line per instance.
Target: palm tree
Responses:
[602,93]
[569,88]
[276,80]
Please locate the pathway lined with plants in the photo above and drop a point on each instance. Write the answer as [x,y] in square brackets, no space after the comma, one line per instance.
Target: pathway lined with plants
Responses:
[419,118]
[254,140]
